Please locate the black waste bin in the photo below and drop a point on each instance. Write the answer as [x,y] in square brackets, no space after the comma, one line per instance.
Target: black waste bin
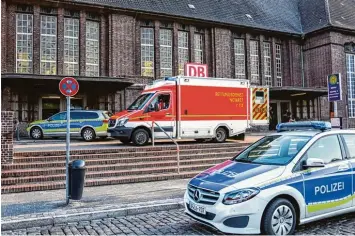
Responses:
[76,179]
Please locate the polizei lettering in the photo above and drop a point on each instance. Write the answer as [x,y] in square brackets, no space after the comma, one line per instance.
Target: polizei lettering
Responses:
[329,188]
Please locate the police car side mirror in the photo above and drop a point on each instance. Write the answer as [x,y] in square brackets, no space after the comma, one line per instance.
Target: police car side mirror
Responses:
[313,163]
[49,119]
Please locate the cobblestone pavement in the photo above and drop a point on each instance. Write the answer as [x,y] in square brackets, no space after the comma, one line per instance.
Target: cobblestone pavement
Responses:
[173,222]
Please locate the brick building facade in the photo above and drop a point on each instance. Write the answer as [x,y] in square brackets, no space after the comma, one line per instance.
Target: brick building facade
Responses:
[113,48]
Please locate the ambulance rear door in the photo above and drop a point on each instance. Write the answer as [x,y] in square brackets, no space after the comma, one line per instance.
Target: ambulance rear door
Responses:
[259,106]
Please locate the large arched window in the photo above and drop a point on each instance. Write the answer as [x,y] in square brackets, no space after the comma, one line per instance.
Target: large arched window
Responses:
[350,75]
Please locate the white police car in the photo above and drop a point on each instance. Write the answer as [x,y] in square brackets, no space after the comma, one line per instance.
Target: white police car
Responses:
[303,173]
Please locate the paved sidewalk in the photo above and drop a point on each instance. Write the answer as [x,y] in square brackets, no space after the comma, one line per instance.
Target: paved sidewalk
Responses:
[48,207]
[171,222]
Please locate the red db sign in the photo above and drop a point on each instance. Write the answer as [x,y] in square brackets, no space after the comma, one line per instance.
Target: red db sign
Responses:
[196,70]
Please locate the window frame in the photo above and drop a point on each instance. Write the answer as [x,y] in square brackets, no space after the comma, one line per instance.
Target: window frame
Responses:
[183,57]
[155,96]
[350,78]
[200,49]
[237,58]
[298,166]
[267,63]
[87,40]
[254,77]
[55,61]
[278,64]
[60,113]
[68,46]
[30,71]
[347,152]
[169,49]
[151,47]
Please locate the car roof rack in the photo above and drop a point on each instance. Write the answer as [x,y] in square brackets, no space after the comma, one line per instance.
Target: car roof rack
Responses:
[304,125]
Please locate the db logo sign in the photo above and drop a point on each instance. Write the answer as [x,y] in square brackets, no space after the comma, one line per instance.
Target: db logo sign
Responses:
[196,70]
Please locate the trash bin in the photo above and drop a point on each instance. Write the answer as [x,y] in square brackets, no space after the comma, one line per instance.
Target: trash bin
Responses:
[76,179]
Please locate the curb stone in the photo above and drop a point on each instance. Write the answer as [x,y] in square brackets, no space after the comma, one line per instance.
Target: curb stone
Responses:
[88,216]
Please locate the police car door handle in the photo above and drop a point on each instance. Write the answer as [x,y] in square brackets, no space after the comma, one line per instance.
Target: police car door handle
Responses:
[343,167]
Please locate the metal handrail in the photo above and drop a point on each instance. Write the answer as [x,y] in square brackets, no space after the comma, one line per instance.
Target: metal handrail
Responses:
[177,145]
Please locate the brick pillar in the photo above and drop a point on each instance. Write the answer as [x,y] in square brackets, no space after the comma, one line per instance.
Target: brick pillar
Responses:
[192,44]
[3,36]
[82,43]
[207,52]
[247,61]
[273,61]
[11,39]
[262,61]
[36,40]
[103,46]
[175,49]
[7,133]
[6,99]
[156,50]
[60,46]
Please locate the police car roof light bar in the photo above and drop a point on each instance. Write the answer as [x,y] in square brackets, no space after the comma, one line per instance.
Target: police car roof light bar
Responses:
[304,125]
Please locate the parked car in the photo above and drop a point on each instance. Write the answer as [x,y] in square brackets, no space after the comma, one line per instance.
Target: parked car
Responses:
[301,174]
[88,124]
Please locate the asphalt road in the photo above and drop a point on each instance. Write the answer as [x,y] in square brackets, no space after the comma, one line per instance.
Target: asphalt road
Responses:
[173,222]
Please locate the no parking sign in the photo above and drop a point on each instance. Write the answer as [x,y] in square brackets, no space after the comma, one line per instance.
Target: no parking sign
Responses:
[69,87]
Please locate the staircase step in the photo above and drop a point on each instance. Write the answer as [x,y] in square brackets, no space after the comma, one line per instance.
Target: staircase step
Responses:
[98,182]
[111,173]
[37,159]
[130,149]
[41,165]
[10,176]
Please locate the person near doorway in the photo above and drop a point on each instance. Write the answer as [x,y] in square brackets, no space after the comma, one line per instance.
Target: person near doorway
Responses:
[272,119]
[86,108]
[284,117]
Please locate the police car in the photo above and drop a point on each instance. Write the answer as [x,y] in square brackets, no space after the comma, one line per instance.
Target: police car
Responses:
[302,173]
[88,124]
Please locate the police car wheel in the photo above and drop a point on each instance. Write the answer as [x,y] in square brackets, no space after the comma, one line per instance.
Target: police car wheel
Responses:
[279,218]
[221,135]
[140,137]
[36,133]
[88,134]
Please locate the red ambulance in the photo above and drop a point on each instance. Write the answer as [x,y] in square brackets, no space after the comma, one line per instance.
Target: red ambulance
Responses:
[192,108]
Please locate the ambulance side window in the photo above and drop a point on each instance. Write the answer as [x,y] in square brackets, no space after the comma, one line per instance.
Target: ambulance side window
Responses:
[350,144]
[162,101]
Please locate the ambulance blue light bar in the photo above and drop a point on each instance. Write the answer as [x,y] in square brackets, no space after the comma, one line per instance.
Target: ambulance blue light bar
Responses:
[304,125]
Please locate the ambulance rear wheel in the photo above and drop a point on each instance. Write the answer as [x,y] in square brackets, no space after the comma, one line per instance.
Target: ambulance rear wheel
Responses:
[221,135]
[140,137]
[279,218]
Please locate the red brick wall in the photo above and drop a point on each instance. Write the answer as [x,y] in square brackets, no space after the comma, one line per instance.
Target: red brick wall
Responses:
[3,36]
[122,53]
[7,132]
[223,50]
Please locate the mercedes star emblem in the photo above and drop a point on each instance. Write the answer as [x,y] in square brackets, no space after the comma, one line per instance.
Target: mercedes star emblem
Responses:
[197,195]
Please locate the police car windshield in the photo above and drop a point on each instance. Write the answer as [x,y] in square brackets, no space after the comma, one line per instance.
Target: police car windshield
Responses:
[140,101]
[273,150]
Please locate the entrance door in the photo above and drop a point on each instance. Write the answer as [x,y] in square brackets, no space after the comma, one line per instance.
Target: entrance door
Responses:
[284,108]
[50,106]
[273,116]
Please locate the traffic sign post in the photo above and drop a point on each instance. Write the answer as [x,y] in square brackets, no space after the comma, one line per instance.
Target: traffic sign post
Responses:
[68,87]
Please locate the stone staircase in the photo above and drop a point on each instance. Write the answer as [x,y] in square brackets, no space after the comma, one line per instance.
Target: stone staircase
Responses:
[36,171]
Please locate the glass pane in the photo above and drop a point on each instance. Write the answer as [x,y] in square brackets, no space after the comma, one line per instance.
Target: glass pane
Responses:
[24,43]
